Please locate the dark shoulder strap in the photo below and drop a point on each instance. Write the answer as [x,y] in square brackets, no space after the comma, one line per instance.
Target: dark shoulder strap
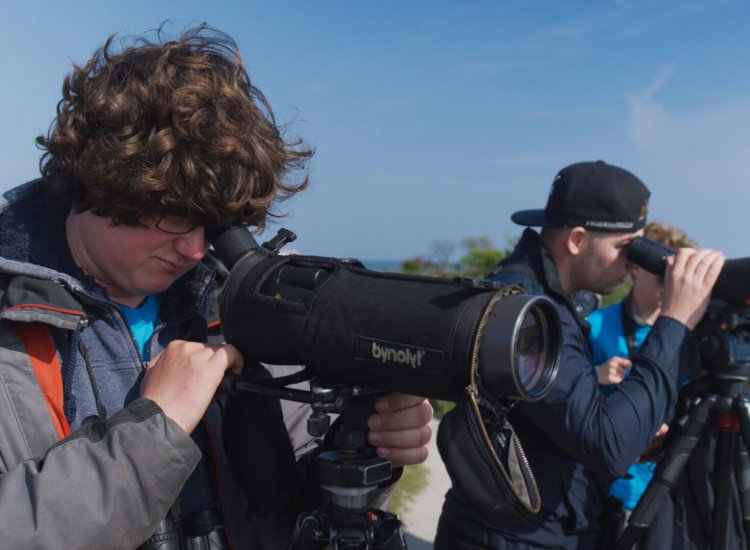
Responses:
[628,325]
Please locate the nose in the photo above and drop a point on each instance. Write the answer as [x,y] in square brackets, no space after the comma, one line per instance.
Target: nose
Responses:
[192,245]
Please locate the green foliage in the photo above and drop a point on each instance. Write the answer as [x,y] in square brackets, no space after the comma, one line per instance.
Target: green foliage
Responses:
[437,263]
[413,480]
[413,266]
[479,256]
[618,295]
[441,408]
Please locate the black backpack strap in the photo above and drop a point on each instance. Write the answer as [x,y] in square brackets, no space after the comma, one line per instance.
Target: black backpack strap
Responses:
[259,449]
[628,325]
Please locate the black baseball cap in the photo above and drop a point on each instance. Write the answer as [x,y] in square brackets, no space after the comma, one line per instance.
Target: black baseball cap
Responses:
[594,195]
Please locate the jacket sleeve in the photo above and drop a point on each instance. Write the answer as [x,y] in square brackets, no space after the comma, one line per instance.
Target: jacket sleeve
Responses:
[606,433]
[107,485]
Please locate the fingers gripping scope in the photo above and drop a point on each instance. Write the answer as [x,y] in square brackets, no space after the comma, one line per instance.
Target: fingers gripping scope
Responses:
[724,331]
[732,287]
[353,326]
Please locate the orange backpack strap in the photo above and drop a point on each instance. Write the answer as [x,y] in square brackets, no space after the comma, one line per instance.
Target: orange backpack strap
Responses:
[37,339]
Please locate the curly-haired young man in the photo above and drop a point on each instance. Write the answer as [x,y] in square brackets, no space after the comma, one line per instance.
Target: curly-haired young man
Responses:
[107,385]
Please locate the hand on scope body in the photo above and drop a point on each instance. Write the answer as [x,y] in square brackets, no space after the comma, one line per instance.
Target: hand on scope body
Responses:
[184,377]
[688,281]
[400,429]
[613,370]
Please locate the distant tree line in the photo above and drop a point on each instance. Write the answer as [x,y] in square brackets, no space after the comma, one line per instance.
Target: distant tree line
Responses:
[478,255]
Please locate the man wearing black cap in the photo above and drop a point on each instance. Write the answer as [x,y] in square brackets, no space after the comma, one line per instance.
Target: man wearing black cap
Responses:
[577,438]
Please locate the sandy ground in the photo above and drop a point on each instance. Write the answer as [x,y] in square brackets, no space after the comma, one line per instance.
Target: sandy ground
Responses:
[419,522]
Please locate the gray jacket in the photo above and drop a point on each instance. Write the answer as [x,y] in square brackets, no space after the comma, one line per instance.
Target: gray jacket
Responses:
[110,482]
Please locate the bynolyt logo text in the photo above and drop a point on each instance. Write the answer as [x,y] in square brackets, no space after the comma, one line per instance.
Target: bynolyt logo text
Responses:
[406,356]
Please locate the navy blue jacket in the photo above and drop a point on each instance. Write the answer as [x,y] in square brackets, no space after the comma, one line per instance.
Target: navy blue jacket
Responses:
[576,438]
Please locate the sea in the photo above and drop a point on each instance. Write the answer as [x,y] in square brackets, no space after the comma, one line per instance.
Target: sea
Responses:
[382,265]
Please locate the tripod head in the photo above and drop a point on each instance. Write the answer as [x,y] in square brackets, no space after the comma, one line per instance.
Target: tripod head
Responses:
[347,475]
[724,336]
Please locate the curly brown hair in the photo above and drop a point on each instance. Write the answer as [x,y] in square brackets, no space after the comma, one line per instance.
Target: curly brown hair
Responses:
[170,127]
[668,235]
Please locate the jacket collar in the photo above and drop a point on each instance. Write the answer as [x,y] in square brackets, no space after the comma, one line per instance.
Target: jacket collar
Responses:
[531,249]
[32,233]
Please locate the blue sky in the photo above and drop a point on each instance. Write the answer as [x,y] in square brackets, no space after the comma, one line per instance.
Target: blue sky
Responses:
[435,120]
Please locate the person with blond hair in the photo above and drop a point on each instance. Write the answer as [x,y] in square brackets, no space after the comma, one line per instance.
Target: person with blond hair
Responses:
[617,333]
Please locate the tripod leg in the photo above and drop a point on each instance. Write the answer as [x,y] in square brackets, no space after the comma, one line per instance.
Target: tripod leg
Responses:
[742,467]
[668,471]
[727,429]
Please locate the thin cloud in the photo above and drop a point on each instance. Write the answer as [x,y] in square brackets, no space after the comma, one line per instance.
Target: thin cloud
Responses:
[711,145]
[647,116]
[698,168]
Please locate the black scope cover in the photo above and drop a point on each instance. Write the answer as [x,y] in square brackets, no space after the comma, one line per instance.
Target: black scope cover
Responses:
[355,326]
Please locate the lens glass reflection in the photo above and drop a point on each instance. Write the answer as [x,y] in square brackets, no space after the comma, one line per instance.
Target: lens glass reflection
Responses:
[530,353]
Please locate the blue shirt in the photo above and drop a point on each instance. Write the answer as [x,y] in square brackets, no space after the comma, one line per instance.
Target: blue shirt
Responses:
[608,340]
[142,321]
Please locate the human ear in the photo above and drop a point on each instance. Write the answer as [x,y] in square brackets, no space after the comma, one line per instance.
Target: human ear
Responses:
[577,240]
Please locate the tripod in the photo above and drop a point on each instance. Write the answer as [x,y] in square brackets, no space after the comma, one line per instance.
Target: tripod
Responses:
[718,396]
[348,475]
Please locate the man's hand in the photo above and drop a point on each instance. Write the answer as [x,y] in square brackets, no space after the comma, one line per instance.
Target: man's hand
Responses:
[688,281]
[656,448]
[183,379]
[613,370]
[401,429]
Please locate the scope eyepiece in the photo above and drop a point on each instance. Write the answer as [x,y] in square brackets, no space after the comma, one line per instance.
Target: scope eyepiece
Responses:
[649,255]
